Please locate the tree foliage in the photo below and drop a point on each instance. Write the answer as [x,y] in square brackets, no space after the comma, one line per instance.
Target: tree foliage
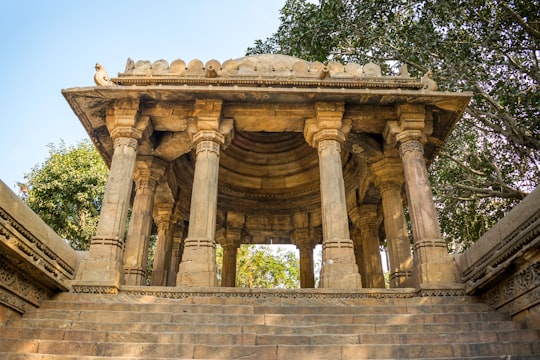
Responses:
[67,189]
[491,48]
[264,267]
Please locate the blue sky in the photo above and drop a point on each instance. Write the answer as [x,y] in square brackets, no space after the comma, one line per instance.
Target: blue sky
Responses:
[52,45]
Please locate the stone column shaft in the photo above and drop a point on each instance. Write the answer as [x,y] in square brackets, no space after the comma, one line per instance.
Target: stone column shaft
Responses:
[307,275]
[389,174]
[176,252]
[305,240]
[433,265]
[140,226]
[356,236]
[229,265]
[367,221]
[104,263]
[162,254]
[148,170]
[339,268]
[198,267]
[399,248]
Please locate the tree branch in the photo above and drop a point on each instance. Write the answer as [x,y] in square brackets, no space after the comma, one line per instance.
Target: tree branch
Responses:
[532,31]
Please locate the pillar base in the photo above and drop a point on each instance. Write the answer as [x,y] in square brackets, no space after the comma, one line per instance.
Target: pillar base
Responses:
[134,277]
[198,266]
[103,264]
[401,279]
[340,276]
[339,269]
[159,277]
[432,269]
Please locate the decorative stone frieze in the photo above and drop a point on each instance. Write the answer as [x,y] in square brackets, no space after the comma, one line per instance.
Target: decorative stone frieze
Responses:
[34,261]
[265,67]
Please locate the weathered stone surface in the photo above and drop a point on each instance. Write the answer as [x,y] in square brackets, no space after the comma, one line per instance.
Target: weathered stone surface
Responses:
[143,326]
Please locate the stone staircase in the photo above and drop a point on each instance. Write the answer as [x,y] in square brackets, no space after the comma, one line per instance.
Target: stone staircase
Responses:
[264,325]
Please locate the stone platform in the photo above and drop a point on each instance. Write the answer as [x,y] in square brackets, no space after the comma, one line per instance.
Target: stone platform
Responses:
[203,323]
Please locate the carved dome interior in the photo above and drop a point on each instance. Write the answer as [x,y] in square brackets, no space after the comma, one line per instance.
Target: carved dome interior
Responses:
[269,172]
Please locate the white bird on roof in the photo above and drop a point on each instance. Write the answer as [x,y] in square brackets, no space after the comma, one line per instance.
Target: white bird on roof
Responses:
[100,77]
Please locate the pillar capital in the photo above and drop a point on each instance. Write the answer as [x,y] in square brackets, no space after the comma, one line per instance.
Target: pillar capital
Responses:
[124,121]
[148,171]
[306,237]
[208,113]
[388,173]
[163,215]
[410,135]
[328,124]
[410,117]
[365,215]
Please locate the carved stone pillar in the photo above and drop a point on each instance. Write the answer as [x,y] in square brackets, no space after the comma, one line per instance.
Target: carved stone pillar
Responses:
[231,238]
[162,255]
[230,249]
[389,178]
[176,252]
[356,237]
[103,267]
[326,133]
[305,240]
[368,222]
[432,263]
[198,266]
[148,170]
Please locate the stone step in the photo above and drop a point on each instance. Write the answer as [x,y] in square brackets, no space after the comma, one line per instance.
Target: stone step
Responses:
[267,319]
[270,352]
[12,356]
[264,309]
[195,336]
[15,356]
[64,325]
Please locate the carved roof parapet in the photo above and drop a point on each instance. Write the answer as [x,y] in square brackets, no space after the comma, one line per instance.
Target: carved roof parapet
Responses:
[265,70]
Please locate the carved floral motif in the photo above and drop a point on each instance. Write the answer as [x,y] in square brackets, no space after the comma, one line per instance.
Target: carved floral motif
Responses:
[329,144]
[126,141]
[208,146]
[517,293]
[411,146]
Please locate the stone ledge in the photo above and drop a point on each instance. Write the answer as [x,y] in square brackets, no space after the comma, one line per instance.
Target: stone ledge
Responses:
[225,292]
[34,261]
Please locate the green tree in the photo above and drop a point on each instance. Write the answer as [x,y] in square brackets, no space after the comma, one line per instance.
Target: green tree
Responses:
[490,48]
[67,189]
[264,267]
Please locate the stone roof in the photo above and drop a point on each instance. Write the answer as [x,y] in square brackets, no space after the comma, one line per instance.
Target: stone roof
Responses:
[265,70]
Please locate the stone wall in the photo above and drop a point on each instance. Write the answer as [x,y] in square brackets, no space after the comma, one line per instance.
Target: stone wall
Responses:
[503,266]
[34,261]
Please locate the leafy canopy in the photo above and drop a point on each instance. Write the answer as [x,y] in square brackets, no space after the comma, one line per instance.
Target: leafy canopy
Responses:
[67,189]
[265,267]
[488,47]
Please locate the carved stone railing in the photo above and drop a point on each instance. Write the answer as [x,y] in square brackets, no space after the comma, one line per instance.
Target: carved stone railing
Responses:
[34,261]
[503,266]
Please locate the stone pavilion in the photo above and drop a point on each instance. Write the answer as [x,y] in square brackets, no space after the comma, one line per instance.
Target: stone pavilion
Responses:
[266,149]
